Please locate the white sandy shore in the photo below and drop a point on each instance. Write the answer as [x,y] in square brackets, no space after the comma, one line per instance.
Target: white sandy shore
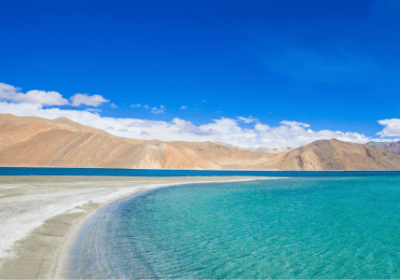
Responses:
[41,216]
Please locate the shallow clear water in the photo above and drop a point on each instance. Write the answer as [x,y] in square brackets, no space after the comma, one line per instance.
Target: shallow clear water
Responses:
[291,228]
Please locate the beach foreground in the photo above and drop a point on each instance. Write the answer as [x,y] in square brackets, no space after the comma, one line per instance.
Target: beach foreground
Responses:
[42,215]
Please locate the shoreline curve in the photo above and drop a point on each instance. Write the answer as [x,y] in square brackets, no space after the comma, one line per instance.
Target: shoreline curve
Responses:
[44,253]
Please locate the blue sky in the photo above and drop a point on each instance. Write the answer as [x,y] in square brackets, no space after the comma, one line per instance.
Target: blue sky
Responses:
[331,65]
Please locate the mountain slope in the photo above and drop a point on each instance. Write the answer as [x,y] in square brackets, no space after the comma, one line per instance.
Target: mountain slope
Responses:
[337,155]
[227,157]
[64,143]
[32,141]
[273,150]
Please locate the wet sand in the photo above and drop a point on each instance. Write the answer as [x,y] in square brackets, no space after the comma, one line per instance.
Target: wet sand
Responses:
[41,216]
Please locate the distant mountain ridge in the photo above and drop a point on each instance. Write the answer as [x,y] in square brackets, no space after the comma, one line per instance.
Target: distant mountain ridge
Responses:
[32,141]
[378,144]
[394,147]
[230,145]
[391,146]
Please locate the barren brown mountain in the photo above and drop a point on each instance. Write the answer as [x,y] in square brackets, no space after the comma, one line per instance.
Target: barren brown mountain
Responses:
[274,150]
[32,141]
[337,155]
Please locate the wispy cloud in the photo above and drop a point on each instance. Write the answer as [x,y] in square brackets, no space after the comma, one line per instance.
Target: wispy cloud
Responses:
[153,110]
[248,120]
[88,100]
[157,111]
[183,107]
[135,105]
[94,110]
[294,123]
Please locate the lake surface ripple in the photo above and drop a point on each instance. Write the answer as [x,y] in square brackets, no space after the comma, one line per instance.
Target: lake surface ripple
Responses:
[291,228]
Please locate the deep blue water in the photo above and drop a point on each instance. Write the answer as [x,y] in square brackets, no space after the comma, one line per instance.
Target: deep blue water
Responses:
[309,228]
[54,171]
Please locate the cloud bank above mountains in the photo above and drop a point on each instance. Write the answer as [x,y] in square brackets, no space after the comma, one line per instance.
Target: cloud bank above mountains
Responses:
[48,98]
[233,131]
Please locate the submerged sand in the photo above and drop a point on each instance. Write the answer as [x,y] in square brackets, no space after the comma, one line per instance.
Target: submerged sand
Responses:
[41,216]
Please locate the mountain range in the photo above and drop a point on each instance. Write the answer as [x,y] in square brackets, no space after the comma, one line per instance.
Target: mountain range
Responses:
[392,146]
[33,141]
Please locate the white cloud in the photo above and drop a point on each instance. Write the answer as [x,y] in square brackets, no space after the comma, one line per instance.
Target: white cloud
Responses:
[94,100]
[135,105]
[222,129]
[146,106]
[183,107]
[138,123]
[392,128]
[220,126]
[47,98]
[8,92]
[42,97]
[294,123]
[261,127]
[248,120]
[182,124]
[155,110]
[112,105]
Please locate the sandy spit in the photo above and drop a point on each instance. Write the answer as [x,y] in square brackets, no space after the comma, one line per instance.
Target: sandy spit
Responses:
[41,216]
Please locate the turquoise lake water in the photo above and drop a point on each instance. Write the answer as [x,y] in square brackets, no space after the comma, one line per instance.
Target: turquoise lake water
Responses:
[62,171]
[290,228]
